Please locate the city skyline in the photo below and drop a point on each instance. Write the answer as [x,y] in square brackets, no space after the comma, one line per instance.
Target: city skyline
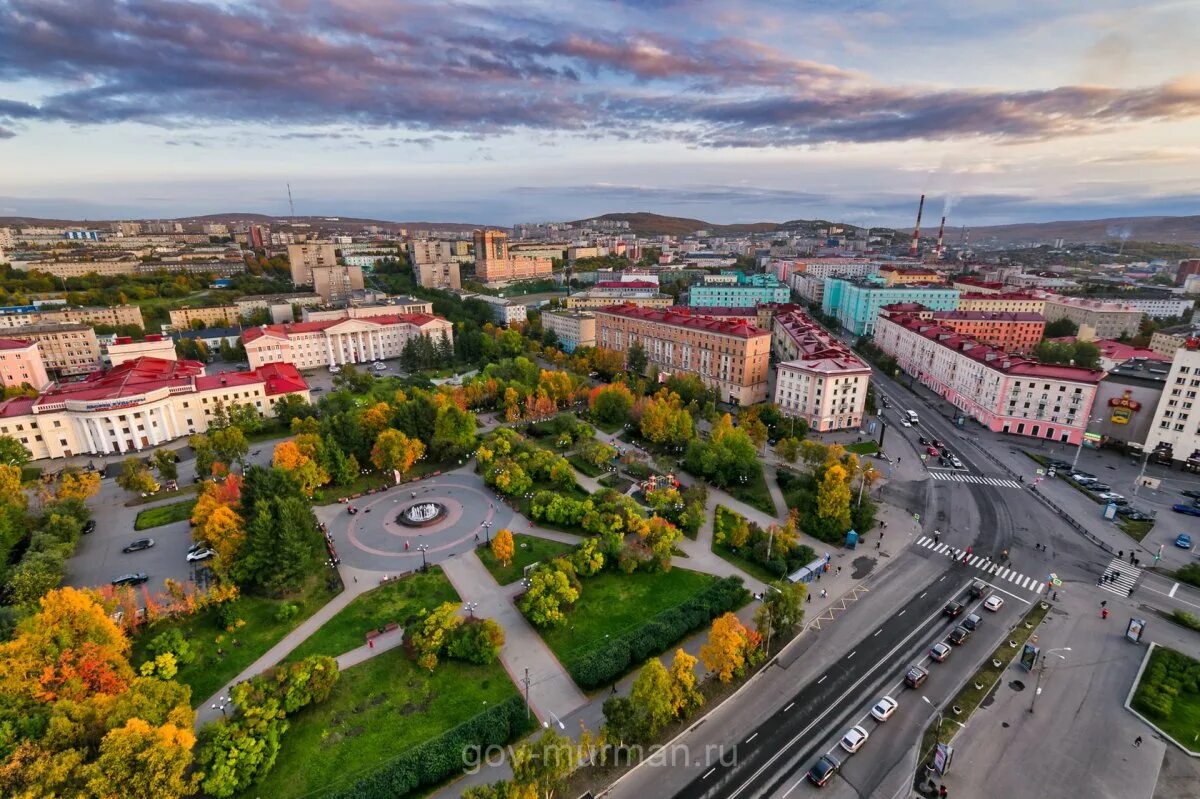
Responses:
[480,113]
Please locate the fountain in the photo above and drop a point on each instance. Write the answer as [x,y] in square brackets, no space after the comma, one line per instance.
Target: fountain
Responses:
[421,514]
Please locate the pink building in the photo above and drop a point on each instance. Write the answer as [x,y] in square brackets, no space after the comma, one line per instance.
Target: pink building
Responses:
[1005,392]
[21,364]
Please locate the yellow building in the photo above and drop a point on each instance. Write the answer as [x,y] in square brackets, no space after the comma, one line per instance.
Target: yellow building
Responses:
[215,316]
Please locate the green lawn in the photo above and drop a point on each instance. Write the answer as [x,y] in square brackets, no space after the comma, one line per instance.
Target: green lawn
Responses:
[590,469]
[1167,694]
[528,549]
[863,447]
[608,428]
[745,564]
[262,630]
[619,484]
[164,514]
[161,495]
[754,493]
[1137,530]
[394,601]
[613,603]
[379,709]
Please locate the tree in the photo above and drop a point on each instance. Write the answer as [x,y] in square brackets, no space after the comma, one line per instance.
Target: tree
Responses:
[545,763]
[727,647]
[135,477]
[206,457]
[229,445]
[685,696]
[13,452]
[282,547]
[635,359]
[549,590]
[782,608]
[502,547]
[1060,327]
[651,695]
[611,404]
[140,761]
[453,432]
[10,486]
[833,498]
[297,458]
[376,417]
[223,530]
[395,451]
[788,449]
[597,453]
[432,635]
[163,461]
[665,421]
[660,537]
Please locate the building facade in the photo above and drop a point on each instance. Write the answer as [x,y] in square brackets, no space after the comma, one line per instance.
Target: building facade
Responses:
[394,306]
[505,311]
[856,303]
[1187,267]
[731,357]
[215,316]
[896,275]
[334,342]
[66,349]
[139,405]
[1004,392]
[745,290]
[1175,428]
[123,349]
[305,257]
[1015,332]
[818,378]
[574,329]
[1165,307]
[249,304]
[974,285]
[117,315]
[1002,302]
[1106,319]
[493,264]
[21,364]
[614,293]
[434,263]
[1164,342]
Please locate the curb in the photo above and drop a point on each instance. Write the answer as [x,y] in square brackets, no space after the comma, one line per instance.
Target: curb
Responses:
[1129,706]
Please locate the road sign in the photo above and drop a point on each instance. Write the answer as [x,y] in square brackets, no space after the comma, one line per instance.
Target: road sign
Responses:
[1039,472]
[942,757]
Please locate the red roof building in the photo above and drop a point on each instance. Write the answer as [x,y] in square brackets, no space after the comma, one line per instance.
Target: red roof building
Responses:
[334,342]
[818,378]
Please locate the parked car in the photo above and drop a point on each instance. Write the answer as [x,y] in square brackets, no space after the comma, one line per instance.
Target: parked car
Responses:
[89,526]
[943,462]
[197,545]
[972,621]
[1133,514]
[952,609]
[1191,494]
[915,676]
[137,578]
[884,708]
[1098,487]
[1083,477]
[138,545]
[959,635]
[200,554]
[923,441]
[1190,510]
[854,739]
[978,589]
[932,452]
[939,651]
[1110,495]
[994,602]
[823,770]
[1054,463]
[1183,541]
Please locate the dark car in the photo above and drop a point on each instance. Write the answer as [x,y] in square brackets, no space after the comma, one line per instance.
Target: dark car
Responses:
[1190,510]
[137,578]
[952,609]
[89,526]
[942,461]
[1057,464]
[138,545]
[945,452]
[958,635]
[978,589]
[1133,514]
[924,442]
[915,676]
[823,770]
[1191,494]
[938,444]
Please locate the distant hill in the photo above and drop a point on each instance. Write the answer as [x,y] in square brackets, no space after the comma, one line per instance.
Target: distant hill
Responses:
[644,223]
[1162,229]
[247,216]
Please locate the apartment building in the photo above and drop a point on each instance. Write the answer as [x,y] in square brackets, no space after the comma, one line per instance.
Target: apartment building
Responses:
[818,378]
[1165,307]
[1164,342]
[896,275]
[66,349]
[1005,392]
[1015,332]
[504,311]
[1002,302]
[139,405]
[68,269]
[393,306]
[333,342]
[974,285]
[215,316]
[1175,427]
[731,357]
[717,291]
[307,256]
[574,329]
[124,349]
[336,284]
[24,315]
[493,264]
[1105,319]
[249,304]
[856,302]
[21,364]
[642,293]
[435,263]
[1187,268]
[747,315]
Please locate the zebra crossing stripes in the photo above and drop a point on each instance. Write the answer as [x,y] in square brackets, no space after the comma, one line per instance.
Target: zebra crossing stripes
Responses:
[985,564]
[954,477]
[1126,579]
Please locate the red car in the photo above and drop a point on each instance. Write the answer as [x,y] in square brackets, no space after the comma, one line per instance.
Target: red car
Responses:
[933,451]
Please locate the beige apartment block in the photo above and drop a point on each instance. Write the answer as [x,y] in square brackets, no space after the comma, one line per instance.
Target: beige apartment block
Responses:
[1108,319]
[114,316]
[125,349]
[574,329]
[215,316]
[335,284]
[304,258]
[66,349]
[21,364]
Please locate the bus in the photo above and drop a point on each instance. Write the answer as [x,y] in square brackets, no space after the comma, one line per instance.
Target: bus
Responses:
[912,417]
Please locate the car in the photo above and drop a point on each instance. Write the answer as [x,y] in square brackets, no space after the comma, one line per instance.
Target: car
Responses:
[138,545]
[136,578]
[1133,514]
[978,589]
[1054,463]
[939,651]
[1183,541]
[197,545]
[1191,494]
[923,441]
[932,452]
[1190,510]
[333,370]
[905,423]
[315,389]
[823,770]
[943,462]
[1098,487]
[959,635]
[915,676]
[955,462]
[884,709]
[952,609]
[854,739]
[945,452]
[994,602]
[1083,477]
[938,444]
[89,526]
[972,621]
[1111,496]
[200,554]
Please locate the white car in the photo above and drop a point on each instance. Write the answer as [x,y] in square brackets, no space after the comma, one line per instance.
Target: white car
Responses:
[884,708]
[333,370]
[955,462]
[994,602]
[853,740]
[200,554]
[905,423]
[939,651]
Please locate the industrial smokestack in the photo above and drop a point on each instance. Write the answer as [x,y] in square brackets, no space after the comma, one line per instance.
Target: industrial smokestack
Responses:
[912,248]
[941,233]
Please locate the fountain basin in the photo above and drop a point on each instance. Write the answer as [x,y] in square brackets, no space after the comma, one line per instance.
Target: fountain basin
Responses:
[421,514]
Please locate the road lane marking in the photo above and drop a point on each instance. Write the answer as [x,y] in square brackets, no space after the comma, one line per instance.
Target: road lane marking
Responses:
[852,654]
[1010,593]
[708,773]
[1174,588]
[922,596]
[943,578]
[823,676]
[901,613]
[794,787]
[789,707]
[877,632]
[752,737]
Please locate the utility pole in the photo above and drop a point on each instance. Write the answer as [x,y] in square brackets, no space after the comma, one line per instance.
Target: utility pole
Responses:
[1138,482]
[525,682]
[1038,686]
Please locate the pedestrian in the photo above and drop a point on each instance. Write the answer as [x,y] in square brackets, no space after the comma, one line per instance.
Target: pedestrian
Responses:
[1055,596]
[1121,553]
[370,643]
[356,578]
[614,689]
[878,544]
[477,538]
[881,534]
[937,537]
[1131,557]
[824,593]
[818,574]
[1137,742]
[839,569]
[808,597]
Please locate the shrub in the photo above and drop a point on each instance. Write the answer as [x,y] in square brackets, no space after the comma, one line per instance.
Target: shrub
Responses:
[287,611]
[1189,574]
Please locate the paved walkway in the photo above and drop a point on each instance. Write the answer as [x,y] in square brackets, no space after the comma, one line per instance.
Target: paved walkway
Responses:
[552,693]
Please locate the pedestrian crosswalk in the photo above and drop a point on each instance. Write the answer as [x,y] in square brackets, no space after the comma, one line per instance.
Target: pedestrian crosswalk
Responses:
[957,477]
[997,571]
[1125,577]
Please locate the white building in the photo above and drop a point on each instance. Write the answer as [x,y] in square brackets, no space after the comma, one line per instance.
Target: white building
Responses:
[124,348]
[333,342]
[1175,429]
[1159,307]
[504,311]
[820,380]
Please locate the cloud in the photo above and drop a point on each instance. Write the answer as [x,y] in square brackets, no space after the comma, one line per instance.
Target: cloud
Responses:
[432,70]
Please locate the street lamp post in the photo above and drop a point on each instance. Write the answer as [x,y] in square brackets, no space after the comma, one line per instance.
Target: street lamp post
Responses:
[470,607]
[1038,686]
[220,705]
[1082,437]
[937,733]
[421,548]
[1138,482]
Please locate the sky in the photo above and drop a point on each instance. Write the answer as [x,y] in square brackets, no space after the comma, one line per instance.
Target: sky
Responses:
[537,110]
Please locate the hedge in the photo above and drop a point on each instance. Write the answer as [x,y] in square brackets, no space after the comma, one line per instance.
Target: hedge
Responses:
[440,758]
[609,662]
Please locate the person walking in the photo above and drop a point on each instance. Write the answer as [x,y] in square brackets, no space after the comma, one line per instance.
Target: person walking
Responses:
[824,593]
[1137,742]
[839,569]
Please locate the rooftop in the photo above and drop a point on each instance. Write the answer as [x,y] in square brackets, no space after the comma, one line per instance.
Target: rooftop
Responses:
[818,350]
[15,344]
[1004,295]
[989,316]
[983,284]
[1117,351]
[1091,305]
[684,318]
[299,328]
